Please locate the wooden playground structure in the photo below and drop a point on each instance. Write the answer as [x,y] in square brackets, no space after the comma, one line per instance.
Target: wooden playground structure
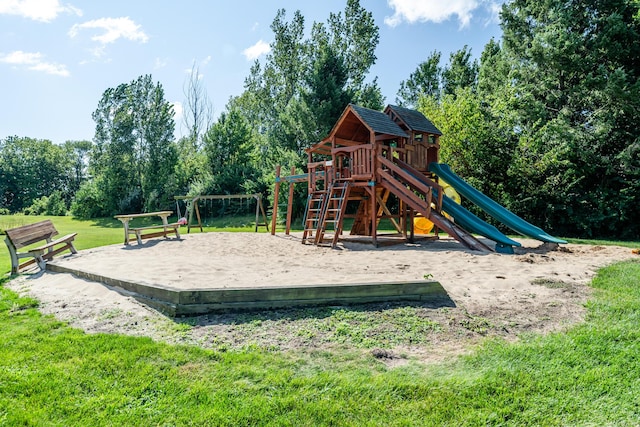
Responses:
[369,159]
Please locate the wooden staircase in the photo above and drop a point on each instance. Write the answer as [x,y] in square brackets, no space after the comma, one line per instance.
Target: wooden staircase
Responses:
[416,191]
[326,208]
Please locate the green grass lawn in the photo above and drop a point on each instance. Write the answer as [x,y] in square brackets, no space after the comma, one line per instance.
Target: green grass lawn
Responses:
[52,374]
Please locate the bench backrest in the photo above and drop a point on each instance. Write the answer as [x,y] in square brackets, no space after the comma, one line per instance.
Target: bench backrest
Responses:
[32,233]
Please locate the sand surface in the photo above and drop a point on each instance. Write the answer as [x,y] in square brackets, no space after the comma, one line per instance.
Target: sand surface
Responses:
[539,289]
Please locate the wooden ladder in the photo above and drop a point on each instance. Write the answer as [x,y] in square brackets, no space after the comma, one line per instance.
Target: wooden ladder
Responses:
[332,212]
[315,203]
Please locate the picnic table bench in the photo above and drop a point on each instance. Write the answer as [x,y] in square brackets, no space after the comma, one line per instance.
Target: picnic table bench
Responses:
[43,231]
[165,227]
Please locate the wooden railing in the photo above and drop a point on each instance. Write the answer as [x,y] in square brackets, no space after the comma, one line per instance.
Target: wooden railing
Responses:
[356,162]
[320,175]
[406,175]
[417,156]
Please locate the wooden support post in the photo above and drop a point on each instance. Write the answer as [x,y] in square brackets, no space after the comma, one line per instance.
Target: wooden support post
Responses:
[290,202]
[402,210]
[264,215]
[258,203]
[276,194]
[195,203]
[374,216]
[412,215]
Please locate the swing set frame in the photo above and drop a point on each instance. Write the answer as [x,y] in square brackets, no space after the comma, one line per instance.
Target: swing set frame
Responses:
[195,211]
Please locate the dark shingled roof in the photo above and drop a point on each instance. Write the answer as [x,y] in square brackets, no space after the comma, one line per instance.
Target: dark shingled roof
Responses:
[378,121]
[415,120]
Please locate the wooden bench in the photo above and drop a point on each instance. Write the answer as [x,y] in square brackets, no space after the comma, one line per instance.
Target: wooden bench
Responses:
[20,237]
[138,231]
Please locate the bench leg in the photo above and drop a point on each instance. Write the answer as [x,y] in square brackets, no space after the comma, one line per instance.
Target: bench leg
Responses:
[72,248]
[15,263]
[139,237]
[177,233]
[42,263]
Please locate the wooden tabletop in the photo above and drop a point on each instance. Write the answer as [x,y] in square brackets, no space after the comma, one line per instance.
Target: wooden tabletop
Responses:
[142,215]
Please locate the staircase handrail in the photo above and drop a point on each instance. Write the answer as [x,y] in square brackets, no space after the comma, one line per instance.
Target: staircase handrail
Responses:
[413,180]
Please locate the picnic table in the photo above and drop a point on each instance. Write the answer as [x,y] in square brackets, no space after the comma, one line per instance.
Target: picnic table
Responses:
[166,227]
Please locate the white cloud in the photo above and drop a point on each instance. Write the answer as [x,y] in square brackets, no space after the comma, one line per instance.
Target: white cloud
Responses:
[19,57]
[494,9]
[206,60]
[51,68]
[38,10]
[177,108]
[413,11]
[257,50]
[34,61]
[113,29]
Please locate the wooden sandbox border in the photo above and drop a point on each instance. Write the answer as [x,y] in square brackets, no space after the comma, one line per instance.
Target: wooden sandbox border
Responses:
[189,302]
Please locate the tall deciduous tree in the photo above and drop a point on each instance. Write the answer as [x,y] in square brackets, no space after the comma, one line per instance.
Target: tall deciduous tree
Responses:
[134,154]
[78,153]
[30,169]
[304,83]
[197,110]
[355,35]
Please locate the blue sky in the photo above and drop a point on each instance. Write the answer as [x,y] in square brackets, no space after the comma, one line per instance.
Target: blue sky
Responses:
[57,57]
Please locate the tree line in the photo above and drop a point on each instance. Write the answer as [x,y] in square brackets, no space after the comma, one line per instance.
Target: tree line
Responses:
[544,121]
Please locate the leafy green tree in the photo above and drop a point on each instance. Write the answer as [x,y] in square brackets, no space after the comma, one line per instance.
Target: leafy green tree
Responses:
[30,169]
[493,75]
[134,156]
[288,103]
[191,168]
[327,94]
[470,143]
[424,81]
[461,72]
[78,152]
[228,145]
[355,35]
[574,71]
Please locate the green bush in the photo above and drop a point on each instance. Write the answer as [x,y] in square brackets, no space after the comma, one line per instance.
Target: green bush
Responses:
[53,205]
[87,202]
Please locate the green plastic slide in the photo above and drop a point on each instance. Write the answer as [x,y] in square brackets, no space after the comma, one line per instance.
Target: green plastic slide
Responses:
[494,209]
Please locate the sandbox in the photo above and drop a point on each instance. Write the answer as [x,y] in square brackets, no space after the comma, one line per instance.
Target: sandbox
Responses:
[209,272]
[205,273]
